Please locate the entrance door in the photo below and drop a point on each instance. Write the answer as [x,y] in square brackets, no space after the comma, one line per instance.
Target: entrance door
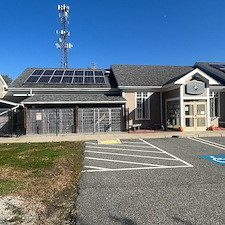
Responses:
[195,115]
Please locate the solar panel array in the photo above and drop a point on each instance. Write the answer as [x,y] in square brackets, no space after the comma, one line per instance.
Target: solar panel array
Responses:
[220,67]
[67,77]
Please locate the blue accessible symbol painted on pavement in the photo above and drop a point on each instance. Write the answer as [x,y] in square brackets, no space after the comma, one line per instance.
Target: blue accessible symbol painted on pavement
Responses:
[218,159]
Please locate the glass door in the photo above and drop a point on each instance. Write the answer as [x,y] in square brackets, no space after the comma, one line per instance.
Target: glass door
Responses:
[195,115]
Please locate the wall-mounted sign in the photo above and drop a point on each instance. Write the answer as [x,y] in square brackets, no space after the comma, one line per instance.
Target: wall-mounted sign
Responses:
[38,116]
[195,88]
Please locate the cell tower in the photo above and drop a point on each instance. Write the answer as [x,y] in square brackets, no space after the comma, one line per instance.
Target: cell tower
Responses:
[63,33]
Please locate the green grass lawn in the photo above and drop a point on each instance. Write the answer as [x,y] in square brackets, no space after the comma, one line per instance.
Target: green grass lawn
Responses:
[46,171]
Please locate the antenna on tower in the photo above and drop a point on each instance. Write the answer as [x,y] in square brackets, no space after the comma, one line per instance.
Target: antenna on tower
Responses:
[63,33]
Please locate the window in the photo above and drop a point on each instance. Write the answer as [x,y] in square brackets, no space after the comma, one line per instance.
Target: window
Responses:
[214,105]
[142,111]
[173,113]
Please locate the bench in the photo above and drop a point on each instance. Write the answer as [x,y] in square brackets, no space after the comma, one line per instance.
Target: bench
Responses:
[135,126]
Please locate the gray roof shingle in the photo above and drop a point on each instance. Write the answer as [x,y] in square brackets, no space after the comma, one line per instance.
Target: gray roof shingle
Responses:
[76,98]
[143,75]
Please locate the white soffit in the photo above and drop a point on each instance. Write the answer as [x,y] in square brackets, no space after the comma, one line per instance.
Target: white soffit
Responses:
[203,75]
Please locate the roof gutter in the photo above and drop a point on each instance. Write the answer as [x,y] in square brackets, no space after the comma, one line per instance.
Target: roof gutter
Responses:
[75,102]
[59,89]
[134,88]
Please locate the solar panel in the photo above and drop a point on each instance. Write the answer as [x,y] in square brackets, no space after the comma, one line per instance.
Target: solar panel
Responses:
[67,80]
[219,66]
[98,73]
[55,80]
[89,80]
[79,73]
[32,79]
[78,80]
[68,72]
[37,72]
[68,76]
[99,80]
[44,79]
[48,72]
[58,72]
[88,73]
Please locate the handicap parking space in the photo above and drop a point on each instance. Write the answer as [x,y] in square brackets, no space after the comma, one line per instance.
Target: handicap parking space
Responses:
[129,155]
[153,181]
[216,146]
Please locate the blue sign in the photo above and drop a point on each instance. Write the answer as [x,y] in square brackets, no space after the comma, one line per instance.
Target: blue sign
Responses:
[218,159]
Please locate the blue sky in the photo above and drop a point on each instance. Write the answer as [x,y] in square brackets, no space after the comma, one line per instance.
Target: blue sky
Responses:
[142,32]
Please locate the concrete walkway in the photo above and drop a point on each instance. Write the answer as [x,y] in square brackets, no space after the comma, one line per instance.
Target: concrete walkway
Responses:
[110,136]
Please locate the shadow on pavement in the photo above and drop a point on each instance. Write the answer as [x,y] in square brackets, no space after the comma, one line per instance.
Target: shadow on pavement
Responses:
[123,220]
[177,219]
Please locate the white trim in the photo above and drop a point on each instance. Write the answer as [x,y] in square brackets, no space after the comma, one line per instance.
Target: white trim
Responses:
[49,89]
[148,99]
[195,98]
[75,102]
[22,95]
[170,87]
[208,107]
[183,79]
[182,106]
[219,102]
[9,103]
[139,87]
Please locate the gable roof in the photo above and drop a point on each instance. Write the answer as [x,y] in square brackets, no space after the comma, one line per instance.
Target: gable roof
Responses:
[143,75]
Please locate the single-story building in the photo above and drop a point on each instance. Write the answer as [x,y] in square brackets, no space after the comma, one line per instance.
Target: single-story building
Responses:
[53,100]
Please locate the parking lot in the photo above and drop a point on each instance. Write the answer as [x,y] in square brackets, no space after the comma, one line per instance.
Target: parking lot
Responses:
[153,181]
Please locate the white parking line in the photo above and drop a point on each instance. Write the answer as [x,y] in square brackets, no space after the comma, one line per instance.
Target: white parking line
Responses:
[133,142]
[126,162]
[94,149]
[137,168]
[123,149]
[210,143]
[136,156]
[91,143]
[96,167]
[188,164]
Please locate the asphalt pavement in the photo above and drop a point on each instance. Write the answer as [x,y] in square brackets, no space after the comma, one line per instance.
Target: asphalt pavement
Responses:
[187,191]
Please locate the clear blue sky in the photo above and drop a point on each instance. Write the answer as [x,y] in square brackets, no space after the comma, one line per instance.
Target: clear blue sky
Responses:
[146,32]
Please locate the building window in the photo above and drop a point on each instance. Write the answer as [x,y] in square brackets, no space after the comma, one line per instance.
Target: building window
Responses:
[142,111]
[214,105]
[173,113]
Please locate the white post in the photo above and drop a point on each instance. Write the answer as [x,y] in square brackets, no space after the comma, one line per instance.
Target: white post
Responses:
[181,106]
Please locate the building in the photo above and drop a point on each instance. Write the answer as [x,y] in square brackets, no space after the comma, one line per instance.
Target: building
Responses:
[52,100]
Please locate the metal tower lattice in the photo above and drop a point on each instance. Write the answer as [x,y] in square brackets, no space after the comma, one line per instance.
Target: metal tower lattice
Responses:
[63,33]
